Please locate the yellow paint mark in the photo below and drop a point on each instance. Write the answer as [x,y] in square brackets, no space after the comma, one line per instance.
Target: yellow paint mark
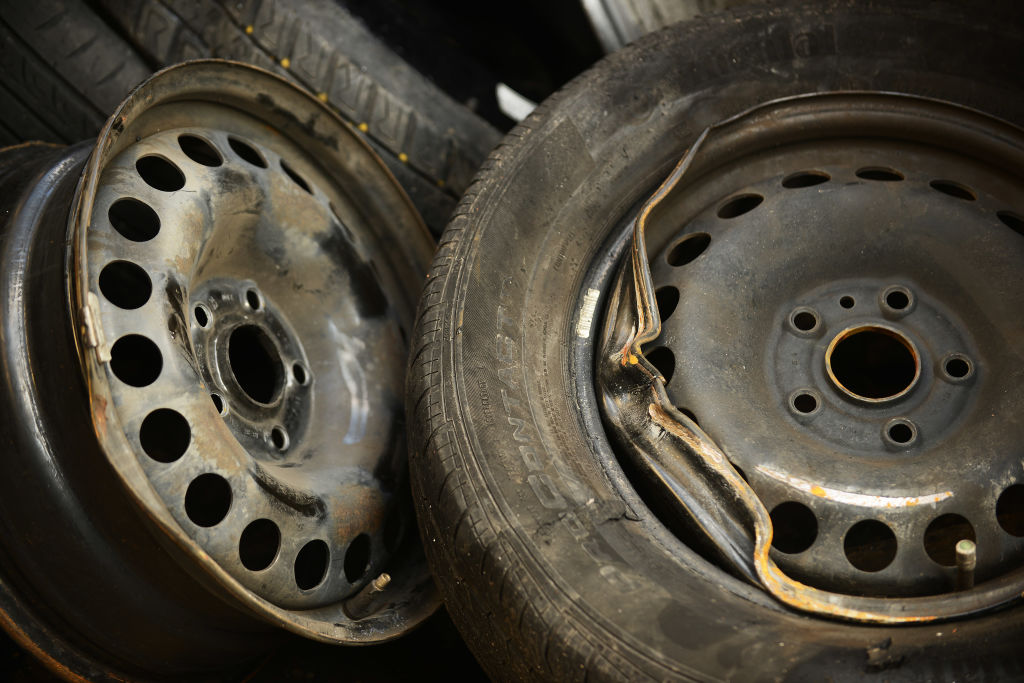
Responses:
[818,491]
[403,157]
[285,62]
[248,30]
[440,183]
[363,127]
[633,360]
[322,96]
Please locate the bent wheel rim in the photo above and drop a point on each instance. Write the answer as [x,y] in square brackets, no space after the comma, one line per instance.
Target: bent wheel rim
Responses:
[694,347]
[244,350]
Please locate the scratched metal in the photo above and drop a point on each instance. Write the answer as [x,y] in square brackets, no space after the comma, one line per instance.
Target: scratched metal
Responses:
[692,473]
[283,277]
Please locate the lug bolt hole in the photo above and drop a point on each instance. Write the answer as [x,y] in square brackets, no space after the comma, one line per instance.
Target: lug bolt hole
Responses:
[279,438]
[846,302]
[300,374]
[957,367]
[218,403]
[896,301]
[804,402]
[805,321]
[252,297]
[901,432]
[202,315]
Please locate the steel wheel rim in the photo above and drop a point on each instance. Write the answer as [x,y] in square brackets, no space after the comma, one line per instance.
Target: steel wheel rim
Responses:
[347,179]
[732,143]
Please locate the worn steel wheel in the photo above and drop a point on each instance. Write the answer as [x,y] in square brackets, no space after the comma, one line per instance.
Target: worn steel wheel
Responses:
[203,326]
[717,372]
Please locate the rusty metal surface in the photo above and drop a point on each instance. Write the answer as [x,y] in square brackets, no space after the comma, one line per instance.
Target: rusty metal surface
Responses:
[228,236]
[697,484]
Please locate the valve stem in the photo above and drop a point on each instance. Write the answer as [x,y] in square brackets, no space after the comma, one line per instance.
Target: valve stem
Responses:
[358,606]
[966,561]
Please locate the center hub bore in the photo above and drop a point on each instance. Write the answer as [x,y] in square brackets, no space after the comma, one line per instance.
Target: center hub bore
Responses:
[255,363]
[872,363]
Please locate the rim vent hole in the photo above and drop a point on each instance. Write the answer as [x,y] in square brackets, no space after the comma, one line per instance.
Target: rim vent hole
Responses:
[160,174]
[199,150]
[208,499]
[125,284]
[165,435]
[689,413]
[870,545]
[259,544]
[942,535]
[667,298]
[311,565]
[953,189]
[805,179]
[134,220]
[357,558]
[688,249]
[296,178]
[795,527]
[1012,220]
[1010,510]
[136,360]
[247,152]
[879,174]
[664,360]
[737,206]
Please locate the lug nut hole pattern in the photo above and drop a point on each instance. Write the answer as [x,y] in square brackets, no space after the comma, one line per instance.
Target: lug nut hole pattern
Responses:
[218,376]
[803,291]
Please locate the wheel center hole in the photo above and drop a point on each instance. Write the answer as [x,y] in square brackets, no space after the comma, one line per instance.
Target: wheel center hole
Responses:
[255,363]
[874,363]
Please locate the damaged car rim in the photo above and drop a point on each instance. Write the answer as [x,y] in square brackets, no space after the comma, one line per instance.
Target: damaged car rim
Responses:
[240,274]
[807,355]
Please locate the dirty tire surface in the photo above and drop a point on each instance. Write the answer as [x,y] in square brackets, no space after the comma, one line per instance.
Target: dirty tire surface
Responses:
[550,566]
[66,64]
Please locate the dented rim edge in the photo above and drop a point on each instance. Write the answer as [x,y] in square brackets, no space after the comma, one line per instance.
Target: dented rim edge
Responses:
[705,488]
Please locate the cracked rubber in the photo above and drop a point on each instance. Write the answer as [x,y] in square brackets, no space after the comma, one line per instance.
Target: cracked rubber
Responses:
[550,566]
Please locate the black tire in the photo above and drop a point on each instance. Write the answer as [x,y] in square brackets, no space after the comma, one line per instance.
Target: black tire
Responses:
[66,66]
[549,566]
[62,71]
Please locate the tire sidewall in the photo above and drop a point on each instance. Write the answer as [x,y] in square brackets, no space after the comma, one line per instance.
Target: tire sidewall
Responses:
[603,577]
